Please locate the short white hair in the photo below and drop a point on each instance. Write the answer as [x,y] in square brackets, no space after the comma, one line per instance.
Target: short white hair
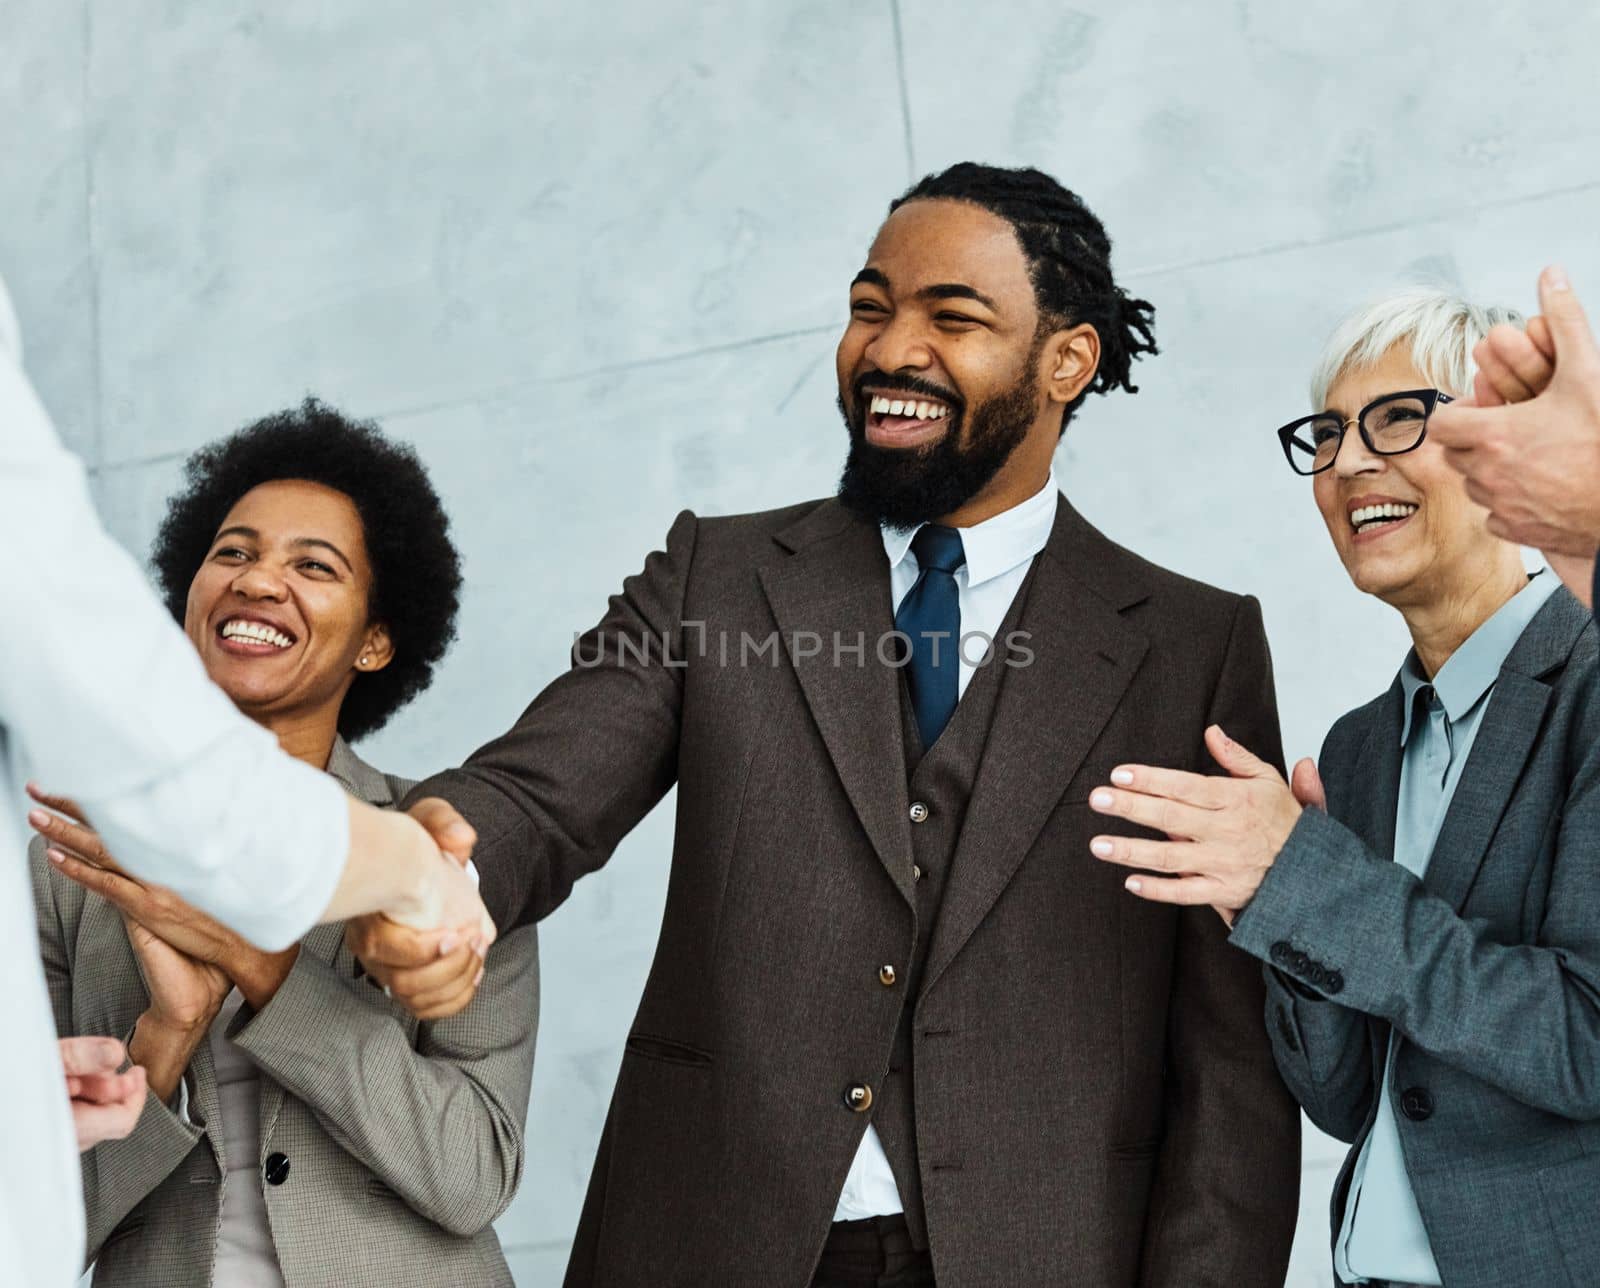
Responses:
[1442,327]
[10,328]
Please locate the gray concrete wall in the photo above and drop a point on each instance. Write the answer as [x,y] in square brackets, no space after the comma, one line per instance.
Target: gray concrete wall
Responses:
[593,260]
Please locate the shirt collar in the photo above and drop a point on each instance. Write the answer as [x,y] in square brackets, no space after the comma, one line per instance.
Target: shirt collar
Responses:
[996,545]
[1472,669]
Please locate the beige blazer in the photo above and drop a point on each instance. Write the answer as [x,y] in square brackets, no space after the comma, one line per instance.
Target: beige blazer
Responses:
[403,1139]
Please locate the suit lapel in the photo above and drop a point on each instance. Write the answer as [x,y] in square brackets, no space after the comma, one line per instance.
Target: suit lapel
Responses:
[835,587]
[1499,753]
[1375,777]
[326,943]
[1046,718]
[1511,726]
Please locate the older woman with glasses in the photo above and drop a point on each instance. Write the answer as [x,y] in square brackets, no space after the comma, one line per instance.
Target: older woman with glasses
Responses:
[1429,906]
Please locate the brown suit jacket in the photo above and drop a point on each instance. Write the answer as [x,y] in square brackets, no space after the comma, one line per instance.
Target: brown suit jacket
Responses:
[1095,1095]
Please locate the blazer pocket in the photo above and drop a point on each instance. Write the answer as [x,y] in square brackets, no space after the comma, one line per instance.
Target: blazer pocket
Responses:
[123,1232]
[1571,1193]
[666,1050]
[1138,1149]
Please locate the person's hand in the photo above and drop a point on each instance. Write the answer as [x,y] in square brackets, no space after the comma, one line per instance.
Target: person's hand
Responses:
[1514,364]
[1305,781]
[443,822]
[1535,465]
[447,898]
[1224,833]
[185,992]
[433,976]
[155,913]
[105,1104]
[432,973]
[78,852]
[185,997]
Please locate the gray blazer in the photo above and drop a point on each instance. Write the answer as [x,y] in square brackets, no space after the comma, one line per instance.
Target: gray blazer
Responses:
[1096,1102]
[404,1139]
[1488,968]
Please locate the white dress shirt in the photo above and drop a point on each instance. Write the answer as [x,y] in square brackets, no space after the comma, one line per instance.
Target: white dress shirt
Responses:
[102,698]
[246,1256]
[999,553]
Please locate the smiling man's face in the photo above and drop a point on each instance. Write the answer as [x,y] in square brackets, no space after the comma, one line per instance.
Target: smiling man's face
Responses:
[939,369]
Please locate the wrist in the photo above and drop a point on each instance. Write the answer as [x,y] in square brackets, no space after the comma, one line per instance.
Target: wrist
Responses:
[164,1051]
[258,975]
[416,900]
[157,1031]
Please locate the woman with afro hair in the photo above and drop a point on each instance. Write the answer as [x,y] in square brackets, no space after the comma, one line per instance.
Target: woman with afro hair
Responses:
[301,1127]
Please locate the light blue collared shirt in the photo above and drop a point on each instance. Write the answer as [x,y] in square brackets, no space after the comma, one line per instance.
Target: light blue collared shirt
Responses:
[1383,1236]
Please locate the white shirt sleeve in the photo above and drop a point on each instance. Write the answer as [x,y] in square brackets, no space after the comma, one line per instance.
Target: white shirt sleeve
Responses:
[105,701]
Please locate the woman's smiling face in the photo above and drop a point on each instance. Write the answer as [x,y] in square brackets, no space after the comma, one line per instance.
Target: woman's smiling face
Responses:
[279,609]
[1403,526]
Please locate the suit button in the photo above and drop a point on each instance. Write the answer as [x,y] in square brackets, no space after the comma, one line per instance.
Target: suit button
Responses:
[1316,975]
[919,812]
[916,872]
[1416,1103]
[886,976]
[277,1169]
[858,1097]
[1281,952]
[1334,983]
[1299,961]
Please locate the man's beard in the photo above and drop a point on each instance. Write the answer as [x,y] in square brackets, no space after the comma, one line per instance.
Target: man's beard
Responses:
[905,487]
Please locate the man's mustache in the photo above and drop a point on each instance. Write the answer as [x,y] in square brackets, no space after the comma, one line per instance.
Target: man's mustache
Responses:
[882,383]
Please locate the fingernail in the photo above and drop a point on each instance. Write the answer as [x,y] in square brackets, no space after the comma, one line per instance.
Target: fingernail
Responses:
[478,978]
[1101,847]
[1555,277]
[1102,800]
[1133,885]
[447,945]
[38,818]
[55,855]
[459,831]
[1122,777]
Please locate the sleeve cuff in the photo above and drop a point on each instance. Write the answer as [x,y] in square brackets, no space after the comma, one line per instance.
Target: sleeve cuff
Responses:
[286,1035]
[1271,926]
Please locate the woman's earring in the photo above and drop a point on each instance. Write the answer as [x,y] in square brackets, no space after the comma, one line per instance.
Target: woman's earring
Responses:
[364,660]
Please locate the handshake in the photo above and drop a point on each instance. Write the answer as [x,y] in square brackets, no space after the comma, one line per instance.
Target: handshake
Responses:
[429,954]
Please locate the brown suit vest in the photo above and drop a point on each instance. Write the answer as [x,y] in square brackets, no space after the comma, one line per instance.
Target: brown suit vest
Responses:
[940,785]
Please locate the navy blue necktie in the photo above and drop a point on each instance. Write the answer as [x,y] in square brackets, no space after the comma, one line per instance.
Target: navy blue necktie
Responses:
[931,615]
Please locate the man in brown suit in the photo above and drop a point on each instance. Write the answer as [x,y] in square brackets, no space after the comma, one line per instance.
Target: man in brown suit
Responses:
[901,1024]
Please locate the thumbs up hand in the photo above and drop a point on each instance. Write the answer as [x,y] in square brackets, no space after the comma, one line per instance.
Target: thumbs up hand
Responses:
[1530,448]
[1512,457]
[1514,365]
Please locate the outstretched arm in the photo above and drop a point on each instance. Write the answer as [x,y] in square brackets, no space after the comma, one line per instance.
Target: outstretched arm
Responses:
[551,798]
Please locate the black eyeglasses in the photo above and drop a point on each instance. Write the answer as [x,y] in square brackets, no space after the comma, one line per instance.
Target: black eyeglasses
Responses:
[1389,426]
